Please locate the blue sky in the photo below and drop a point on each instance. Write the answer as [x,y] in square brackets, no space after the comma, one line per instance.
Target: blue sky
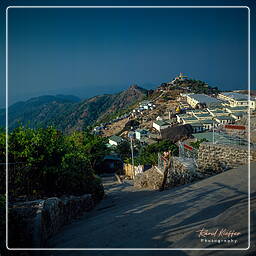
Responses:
[86,52]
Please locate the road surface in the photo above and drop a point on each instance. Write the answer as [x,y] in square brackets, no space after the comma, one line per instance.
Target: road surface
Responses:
[130,218]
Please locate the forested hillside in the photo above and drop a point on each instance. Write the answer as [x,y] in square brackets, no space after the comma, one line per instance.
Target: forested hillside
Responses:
[67,113]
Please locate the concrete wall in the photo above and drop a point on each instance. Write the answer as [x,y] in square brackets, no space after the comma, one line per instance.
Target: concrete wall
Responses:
[218,157]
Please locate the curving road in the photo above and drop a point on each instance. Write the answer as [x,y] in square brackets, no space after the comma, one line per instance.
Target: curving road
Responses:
[129,218]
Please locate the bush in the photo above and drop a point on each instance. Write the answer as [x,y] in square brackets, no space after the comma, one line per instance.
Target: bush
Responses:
[2,224]
[49,163]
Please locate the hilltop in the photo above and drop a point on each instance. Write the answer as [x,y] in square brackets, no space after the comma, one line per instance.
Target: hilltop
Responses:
[164,98]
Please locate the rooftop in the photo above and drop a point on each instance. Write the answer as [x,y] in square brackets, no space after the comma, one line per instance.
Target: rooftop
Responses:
[240,113]
[160,122]
[203,98]
[236,96]
[242,108]
[183,115]
[115,138]
[216,110]
[203,115]
[196,124]
[142,131]
[189,118]
[207,121]
[224,118]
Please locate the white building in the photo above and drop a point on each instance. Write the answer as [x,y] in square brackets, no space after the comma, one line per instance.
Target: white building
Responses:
[115,140]
[217,112]
[159,118]
[224,119]
[197,127]
[195,99]
[237,99]
[237,109]
[141,134]
[181,116]
[208,124]
[160,125]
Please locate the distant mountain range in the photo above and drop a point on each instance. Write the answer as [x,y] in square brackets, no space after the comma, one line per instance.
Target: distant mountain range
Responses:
[67,112]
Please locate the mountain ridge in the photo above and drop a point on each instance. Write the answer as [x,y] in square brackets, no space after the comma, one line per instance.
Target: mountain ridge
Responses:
[68,112]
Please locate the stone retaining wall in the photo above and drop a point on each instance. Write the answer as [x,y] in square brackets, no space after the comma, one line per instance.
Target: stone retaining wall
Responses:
[32,223]
[219,157]
[183,171]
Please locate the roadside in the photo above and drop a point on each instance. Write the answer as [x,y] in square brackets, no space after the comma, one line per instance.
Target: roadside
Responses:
[130,218]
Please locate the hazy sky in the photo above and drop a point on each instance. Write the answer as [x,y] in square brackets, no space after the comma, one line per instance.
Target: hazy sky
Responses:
[93,51]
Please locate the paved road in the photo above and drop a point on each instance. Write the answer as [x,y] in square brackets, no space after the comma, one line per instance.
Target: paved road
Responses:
[129,218]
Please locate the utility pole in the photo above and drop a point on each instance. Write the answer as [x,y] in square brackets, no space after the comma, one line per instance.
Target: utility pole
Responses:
[213,138]
[131,135]
[132,158]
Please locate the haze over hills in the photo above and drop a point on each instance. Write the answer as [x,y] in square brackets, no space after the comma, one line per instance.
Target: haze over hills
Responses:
[69,113]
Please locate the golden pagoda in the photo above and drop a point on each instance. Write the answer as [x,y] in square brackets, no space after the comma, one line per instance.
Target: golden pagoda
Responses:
[182,77]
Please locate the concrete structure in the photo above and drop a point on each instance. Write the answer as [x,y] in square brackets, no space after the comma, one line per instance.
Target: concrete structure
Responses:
[146,104]
[115,140]
[195,99]
[203,116]
[238,99]
[141,134]
[181,116]
[189,120]
[208,124]
[196,111]
[237,109]
[197,127]
[224,119]
[159,118]
[159,125]
[217,112]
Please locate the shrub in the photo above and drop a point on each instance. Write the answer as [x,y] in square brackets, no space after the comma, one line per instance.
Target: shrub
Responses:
[49,163]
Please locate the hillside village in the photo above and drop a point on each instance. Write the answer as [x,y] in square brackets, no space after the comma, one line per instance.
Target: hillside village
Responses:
[174,105]
[184,132]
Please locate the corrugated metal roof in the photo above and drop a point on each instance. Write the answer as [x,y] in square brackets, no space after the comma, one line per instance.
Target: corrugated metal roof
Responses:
[203,98]
[236,96]
[207,121]
[224,117]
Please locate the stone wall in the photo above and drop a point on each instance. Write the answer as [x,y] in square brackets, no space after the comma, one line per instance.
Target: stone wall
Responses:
[183,171]
[32,223]
[219,157]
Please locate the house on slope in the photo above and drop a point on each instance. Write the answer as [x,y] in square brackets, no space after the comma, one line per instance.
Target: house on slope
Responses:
[160,124]
[115,140]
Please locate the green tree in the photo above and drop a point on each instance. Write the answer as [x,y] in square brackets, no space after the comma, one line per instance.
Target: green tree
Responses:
[123,150]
